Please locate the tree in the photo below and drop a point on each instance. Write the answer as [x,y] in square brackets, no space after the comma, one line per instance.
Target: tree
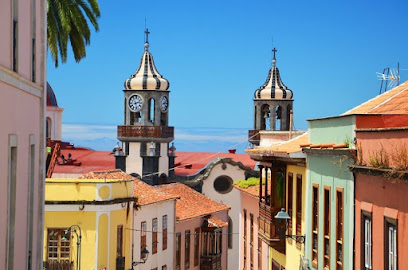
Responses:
[67,21]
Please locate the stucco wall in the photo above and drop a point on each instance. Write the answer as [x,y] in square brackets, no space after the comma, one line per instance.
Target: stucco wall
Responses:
[380,195]
[332,130]
[231,199]
[331,171]
[147,213]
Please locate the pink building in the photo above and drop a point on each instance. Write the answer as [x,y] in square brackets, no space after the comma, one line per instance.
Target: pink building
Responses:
[22,138]
[381,188]
[254,251]
[201,230]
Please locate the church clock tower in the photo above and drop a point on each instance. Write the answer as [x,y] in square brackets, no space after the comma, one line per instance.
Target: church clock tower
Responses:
[145,135]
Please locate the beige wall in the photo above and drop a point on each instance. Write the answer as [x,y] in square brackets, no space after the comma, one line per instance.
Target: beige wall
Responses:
[22,109]
[147,213]
[55,116]
[192,224]
[232,199]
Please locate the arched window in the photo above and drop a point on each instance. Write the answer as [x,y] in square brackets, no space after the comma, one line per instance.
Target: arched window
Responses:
[48,126]
[289,108]
[151,110]
[230,232]
[278,118]
[265,117]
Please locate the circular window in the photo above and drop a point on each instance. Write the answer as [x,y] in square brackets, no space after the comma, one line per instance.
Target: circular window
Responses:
[223,184]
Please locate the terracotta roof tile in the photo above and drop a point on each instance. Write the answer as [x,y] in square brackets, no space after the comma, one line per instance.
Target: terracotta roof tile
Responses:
[107,174]
[147,194]
[287,147]
[215,222]
[252,190]
[393,101]
[191,203]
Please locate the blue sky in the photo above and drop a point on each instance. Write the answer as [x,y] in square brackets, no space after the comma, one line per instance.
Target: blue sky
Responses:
[217,53]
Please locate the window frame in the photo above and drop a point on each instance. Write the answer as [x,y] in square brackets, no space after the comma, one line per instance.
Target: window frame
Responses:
[164,232]
[299,204]
[155,225]
[187,249]
[178,250]
[290,205]
[339,231]
[326,226]
[196,246]
[366,216]
[143,240]
[390,223]
[315,224]
[60,232]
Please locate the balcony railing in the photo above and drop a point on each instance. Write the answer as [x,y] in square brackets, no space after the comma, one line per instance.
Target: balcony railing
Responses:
[212,262]
[268,227]
[145,132]
[58,265]
[254,137]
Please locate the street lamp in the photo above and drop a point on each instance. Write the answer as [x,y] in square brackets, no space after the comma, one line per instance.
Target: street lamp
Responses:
[77,230]
[145,254]
[283,216]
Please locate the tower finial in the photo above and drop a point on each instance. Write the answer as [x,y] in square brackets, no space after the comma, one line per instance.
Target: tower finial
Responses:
[274,56]
[147,35]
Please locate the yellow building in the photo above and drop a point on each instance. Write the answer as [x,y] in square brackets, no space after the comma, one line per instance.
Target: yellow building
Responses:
[99,208]
[283,170]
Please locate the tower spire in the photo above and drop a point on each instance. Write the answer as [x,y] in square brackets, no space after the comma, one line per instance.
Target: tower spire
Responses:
[274,56]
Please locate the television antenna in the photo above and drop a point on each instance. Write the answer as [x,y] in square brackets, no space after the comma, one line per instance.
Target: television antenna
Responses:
[390,77]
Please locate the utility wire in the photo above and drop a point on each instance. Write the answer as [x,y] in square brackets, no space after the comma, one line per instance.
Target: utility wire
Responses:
[138,230]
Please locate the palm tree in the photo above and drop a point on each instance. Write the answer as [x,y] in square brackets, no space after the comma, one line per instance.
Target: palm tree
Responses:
[67,20]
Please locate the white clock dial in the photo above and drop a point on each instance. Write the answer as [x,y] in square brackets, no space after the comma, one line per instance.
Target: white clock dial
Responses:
[164,103]
[135,103]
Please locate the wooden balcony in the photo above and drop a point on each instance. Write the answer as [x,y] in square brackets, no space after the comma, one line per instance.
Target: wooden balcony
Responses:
[254,137]
[212,262]
[128,133]
[268,228]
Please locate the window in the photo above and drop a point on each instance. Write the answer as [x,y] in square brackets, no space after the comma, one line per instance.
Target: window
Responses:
[164,224]
[30,201]
[252,241]
[298,206]
[164,267]
[339,228]
[290,204]
[366,241]
[187,250]
[178,250]
[390,244]
[33,33]
[245,238]
[58,243]
[143,243]
[259,254]
[11,213]
[223,184]
[154,236]
[326,228]
[15,36]
[315,224]
[119,242]
[230,234]
[196,246]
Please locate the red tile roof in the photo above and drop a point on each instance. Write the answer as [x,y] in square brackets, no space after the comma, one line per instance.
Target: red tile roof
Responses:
[215,222]
[393,101]
[90,161]
[198,160]
[287,147]
[252,190]
[191,204]
[147,194]
[103,160]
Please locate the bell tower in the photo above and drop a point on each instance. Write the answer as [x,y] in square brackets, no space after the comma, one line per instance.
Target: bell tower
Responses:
[145,135]
[273,103]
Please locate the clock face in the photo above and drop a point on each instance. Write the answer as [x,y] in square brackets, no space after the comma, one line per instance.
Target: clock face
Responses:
[135,103]
[164,103]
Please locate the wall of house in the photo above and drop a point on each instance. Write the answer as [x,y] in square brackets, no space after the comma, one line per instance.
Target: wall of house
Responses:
[147,213]
[192,224]
[232,198]
[294,250]
[382,197]
[251,205]
[22,109]
[332,130]
[55,115]
[331,171]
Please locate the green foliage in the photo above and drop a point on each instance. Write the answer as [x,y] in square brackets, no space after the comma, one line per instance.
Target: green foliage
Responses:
[252,181]
[379,159]
[67,21]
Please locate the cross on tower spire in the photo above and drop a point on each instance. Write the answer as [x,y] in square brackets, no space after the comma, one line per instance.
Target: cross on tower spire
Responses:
[147,35]
[274,52]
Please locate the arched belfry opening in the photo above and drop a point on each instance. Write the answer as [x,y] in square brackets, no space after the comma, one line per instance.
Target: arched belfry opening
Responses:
[266,117]
[278,116]
[152,109]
